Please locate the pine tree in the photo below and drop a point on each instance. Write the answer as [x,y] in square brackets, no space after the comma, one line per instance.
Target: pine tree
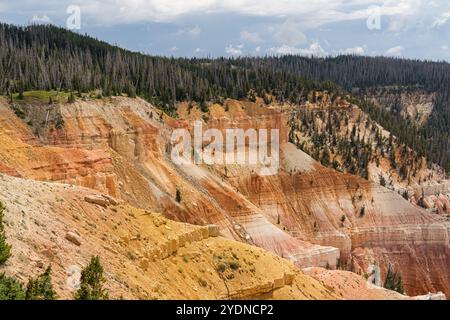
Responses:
[5,248]
[91,282]
[362,211]
[130,91]
[20,96]
[204,106]
[382,181]
[325,157]
[10,288]
[41,288]
[178,196]
[71,98]
[352,265]
[393,281]
[82,63]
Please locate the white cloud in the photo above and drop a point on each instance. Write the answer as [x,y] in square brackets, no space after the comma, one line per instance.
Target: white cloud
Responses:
[283,26]
[441,20]
[41,19]
[174,48]
[193,32]
[313,50]
[234,51]
[289,33]
[310,13]
[253,37]
[353,51]
[394,51]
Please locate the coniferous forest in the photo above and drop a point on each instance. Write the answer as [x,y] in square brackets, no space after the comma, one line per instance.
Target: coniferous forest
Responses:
[44,57]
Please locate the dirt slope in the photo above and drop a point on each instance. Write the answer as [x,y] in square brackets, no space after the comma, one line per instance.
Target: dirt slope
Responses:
[145,255]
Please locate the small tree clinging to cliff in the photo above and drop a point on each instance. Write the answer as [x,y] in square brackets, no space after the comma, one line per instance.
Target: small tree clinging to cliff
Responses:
[178,196]
[393,281]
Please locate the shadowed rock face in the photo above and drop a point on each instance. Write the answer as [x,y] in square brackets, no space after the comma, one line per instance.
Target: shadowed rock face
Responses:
[121,146]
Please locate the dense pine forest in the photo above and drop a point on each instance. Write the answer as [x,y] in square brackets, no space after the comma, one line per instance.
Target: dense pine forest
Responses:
[47,57]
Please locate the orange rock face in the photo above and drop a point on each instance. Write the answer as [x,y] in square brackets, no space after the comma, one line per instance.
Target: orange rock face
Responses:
[28,158]
[306,213]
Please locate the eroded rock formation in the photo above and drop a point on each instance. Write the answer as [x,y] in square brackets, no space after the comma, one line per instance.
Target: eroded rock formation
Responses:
[306,213]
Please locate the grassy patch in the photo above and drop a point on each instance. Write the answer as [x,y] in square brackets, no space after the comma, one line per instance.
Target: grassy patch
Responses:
[41,97]
[52,96]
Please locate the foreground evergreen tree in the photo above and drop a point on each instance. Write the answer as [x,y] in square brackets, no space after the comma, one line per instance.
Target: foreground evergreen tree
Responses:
[41,288]
[5,248]
[10,288]
[393,281]
[91,282]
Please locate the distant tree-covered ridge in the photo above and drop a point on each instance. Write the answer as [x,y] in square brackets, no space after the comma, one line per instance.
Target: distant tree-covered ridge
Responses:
[45,57]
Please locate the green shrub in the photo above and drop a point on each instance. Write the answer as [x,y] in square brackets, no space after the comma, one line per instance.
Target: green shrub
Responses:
[41,288]
[5,248]
[234,265]
[10,288]
[393,281]
[221,267]
[178,196]
[71,98]
[203,282]
[91,282]
[362,212]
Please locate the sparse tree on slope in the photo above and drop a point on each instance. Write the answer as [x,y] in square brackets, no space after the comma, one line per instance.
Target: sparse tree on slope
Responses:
[91,283]
[393,281]
[5,248]
[41,288]
[10,288]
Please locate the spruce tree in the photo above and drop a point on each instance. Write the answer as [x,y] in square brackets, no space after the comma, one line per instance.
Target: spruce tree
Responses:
[393,281]
[5,248]
[130,91]
[10,288]
[382,181]
[91,282]
[178,196]
[41,288]
[71,98]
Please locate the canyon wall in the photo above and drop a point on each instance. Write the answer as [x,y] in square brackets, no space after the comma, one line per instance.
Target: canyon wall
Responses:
[305,212]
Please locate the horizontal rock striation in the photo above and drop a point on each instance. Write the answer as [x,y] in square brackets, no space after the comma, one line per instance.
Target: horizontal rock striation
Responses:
[306,213]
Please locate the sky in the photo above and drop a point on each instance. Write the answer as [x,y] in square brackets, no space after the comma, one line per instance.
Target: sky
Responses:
[211,28]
